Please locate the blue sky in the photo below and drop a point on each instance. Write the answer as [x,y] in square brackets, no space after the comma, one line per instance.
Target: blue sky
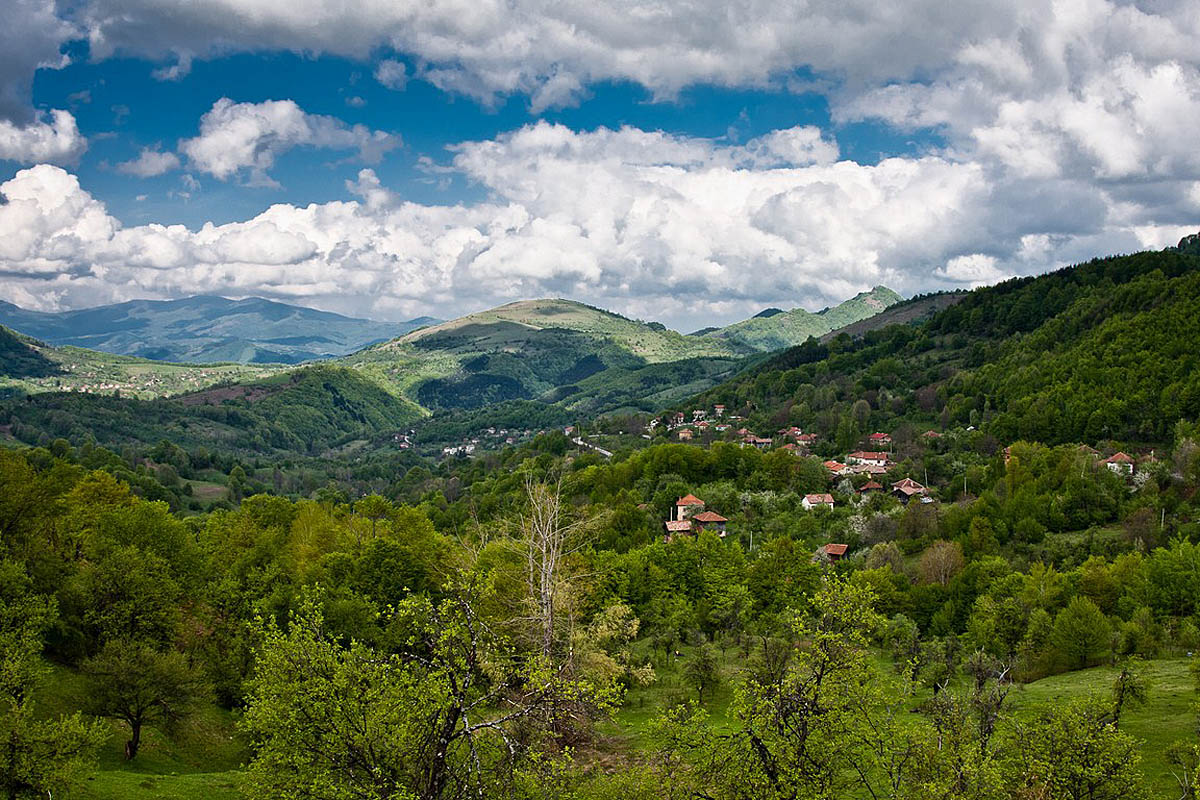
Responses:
[690,163]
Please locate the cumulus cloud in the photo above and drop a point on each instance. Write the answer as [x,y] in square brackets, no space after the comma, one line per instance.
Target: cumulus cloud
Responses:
[248,137]
[667,227]
[392,74]
[54,138]
[552,49]
[150,162]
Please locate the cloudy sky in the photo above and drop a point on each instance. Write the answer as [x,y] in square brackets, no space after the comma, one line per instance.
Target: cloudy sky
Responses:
[690,161]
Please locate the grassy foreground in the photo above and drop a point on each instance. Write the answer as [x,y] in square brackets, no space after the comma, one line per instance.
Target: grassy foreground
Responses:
[203,760]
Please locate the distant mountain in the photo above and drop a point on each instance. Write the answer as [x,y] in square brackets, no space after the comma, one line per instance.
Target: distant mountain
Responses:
[774,329]
[207,329]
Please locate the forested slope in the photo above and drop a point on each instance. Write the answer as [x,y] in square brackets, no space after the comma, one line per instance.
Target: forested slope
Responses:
[1102,350]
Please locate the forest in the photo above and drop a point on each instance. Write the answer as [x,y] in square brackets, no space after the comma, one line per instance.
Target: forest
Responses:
[226,617]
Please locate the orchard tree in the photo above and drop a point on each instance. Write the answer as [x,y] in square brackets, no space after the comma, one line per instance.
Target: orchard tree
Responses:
[139,685]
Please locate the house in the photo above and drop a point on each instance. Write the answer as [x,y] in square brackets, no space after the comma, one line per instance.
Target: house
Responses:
[835,467]
[709,521]
[870,486]
[686,507]
[931,434]
[698,415]
[756,441]
[793,432]
[685,434]
[907,489]
[743,432]
[880,439]
[806,438]
[791,448]
[719,410]
[1119,463]
[832,552]
[812,501]
[1089,451]
[868,458]
[689,516]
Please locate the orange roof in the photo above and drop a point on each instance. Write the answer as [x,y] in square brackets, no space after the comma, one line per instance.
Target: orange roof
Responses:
[689,500]
[819,498]
[879,436]
[1118,458]
[835,549]
[869,485]
[868,455]
[677,526]
[709,516]
[834,466]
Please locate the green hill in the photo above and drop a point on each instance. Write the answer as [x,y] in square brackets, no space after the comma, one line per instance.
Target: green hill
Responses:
[31,366]
[552,350]
[1098,351]
[774,329]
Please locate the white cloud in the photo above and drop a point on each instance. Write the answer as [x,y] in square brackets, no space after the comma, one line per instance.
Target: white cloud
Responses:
[150,162]
[57,140]
[237,137]
[392,74]
[676,228]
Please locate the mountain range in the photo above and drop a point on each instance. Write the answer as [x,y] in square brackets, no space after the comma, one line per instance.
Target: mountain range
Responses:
[207,329]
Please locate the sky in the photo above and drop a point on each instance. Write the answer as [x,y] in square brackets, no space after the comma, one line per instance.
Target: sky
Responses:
[690,162]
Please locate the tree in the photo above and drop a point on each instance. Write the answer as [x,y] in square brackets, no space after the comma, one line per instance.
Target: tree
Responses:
[133,682]
[439,718]
[1070,750]
[940,562]
[1129,689]
[1081,633]
[38,756]
[374,508]
[703,671]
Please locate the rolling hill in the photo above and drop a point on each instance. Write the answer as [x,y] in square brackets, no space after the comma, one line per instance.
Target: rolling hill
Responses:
[30,366]
[1095,352]
[556,351]
[775,329]
[207,329]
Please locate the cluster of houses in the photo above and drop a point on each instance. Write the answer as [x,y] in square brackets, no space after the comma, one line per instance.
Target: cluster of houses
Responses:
[488,438]
[690,516]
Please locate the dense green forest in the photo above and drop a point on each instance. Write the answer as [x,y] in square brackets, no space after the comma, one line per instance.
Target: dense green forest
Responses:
[305,610]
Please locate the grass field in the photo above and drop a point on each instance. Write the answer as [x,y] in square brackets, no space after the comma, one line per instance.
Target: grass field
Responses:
[202,761]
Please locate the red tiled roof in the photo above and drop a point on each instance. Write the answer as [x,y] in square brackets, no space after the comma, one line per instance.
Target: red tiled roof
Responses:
[869,485]
[908,486]
[677,526]
[819,498]
[834,466]
[875,437]
[1118,458]
[835,549]
[868,455]
[689,500]
[709,516]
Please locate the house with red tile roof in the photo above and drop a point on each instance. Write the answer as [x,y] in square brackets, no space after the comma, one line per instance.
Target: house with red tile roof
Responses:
[831,552]
[1119,463]
[868,458]
[870,486]
[907,489]
[811,501]
[880,439]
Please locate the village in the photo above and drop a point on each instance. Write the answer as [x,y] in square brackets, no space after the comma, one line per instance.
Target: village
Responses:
[861,474]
